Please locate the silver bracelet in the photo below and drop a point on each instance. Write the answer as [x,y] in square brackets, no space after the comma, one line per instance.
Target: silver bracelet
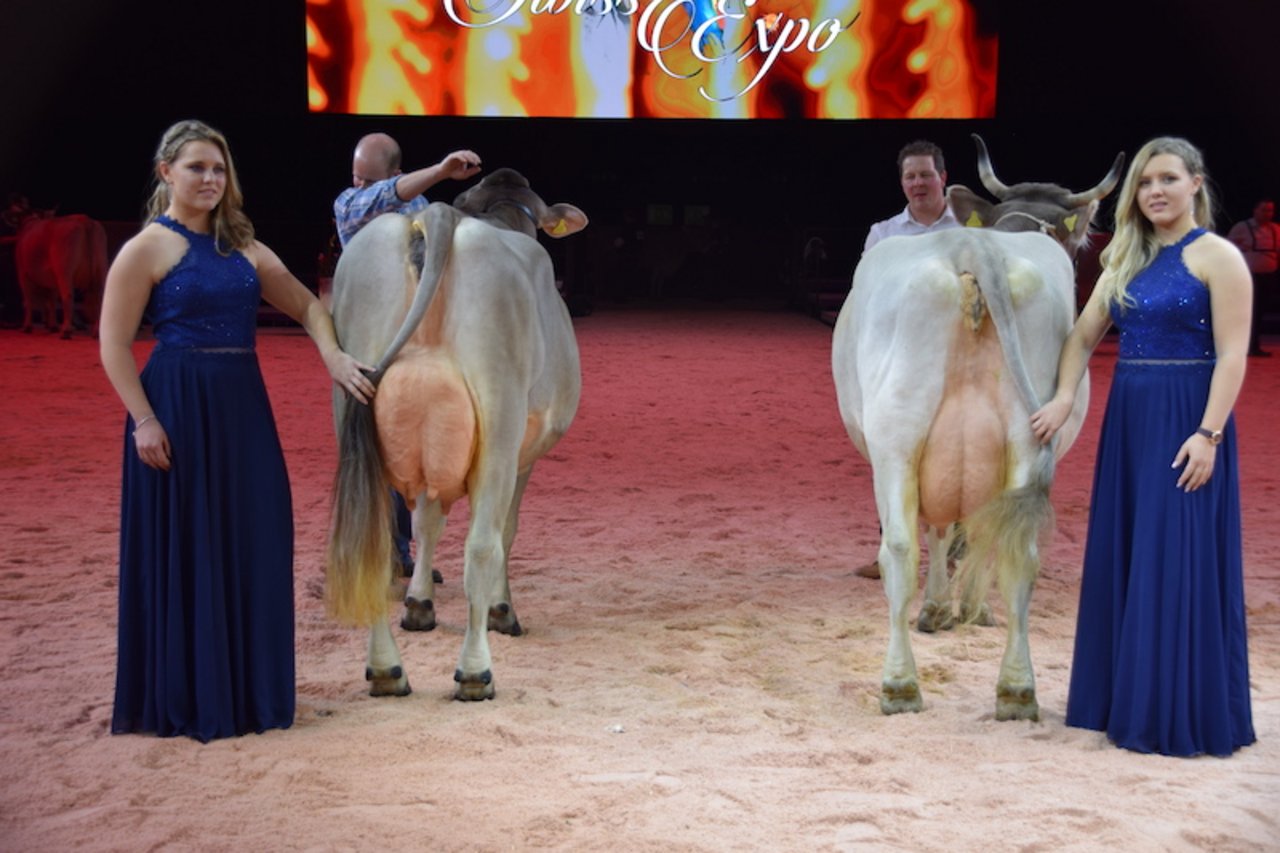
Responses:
[138,424]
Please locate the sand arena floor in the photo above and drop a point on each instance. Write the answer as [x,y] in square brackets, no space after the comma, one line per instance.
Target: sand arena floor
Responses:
[700,670]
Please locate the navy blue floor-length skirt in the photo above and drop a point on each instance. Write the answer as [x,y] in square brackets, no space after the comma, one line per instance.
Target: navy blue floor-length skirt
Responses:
[206,558]
[1161,657]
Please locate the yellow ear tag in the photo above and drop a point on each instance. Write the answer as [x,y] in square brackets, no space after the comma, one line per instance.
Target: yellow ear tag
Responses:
[560,229]
[974,221]
[417,226]
[1070,222]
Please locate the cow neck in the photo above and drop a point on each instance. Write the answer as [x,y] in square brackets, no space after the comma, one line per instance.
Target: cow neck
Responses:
[1044,226]
[518,206]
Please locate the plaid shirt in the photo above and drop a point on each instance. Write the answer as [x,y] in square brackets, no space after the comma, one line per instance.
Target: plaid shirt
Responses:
[357,206]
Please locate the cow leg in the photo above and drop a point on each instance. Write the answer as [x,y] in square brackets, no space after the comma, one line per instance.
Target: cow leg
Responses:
[50,311]
[502,618]
[899,562]
[491,488]
[419,601]
[28,305]
[970,614]
[1016,686]
[936,613]
[68,310]
[384,670]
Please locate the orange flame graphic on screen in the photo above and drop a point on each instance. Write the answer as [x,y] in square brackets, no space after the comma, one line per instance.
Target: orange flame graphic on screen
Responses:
[637,58]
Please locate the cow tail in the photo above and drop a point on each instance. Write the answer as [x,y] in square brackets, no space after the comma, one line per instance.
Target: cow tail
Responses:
[360,557]
[1002,536]
[359,562]
[436,226]
[1001,539]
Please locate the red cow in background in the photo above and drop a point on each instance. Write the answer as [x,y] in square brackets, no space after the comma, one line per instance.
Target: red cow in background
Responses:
[55,258]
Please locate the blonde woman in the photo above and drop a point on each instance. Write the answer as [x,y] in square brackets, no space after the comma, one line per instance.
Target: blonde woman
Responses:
[1161,662]
[206,538]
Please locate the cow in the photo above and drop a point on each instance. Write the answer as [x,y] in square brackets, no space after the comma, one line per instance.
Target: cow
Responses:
[478,376]
[945,346]
[55,258]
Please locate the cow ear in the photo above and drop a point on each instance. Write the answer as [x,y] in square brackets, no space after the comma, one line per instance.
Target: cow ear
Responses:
[1076,224]
[969,208]
[561,220]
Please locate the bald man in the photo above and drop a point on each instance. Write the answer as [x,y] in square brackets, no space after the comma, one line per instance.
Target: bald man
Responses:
[378,186]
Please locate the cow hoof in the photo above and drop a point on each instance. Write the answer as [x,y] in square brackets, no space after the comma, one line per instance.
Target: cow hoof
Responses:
[503,620]
[418,615]
[896,698]
[387,682]
[982,617]
[935,617]
[473,688]
[1017,703]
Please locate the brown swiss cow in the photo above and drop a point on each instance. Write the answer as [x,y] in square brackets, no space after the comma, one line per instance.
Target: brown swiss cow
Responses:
[55,258]
[478,378]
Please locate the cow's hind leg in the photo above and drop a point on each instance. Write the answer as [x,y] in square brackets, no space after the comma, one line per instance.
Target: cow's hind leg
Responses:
[899,562]
[973,609]
[68,312]
[491,490]
[28,307]
[419,600]
[384,670]
[1016,686]
[1008,528]
[502,616]
[936,612]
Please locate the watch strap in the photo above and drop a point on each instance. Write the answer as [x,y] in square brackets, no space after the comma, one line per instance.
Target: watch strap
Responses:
[1214,435]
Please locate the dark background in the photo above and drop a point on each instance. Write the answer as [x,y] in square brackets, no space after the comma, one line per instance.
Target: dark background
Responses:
[88,87]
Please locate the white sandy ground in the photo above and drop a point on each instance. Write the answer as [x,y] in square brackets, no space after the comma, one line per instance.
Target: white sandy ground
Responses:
[700,670]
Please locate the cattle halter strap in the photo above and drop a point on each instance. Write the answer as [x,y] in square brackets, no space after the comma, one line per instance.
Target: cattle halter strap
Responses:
[1043,225]
[526,211]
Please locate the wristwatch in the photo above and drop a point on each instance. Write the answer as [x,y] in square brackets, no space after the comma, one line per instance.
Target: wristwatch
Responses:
[1214,435]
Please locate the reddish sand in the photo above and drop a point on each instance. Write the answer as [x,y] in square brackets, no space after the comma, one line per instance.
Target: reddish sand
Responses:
[700,669]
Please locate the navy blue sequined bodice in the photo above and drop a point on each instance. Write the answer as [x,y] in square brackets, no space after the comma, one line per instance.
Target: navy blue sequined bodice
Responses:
[1171,318]
[208,300]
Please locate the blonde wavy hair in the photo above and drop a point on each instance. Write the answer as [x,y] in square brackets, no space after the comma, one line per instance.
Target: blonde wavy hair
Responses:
[1134,245]
[231,227]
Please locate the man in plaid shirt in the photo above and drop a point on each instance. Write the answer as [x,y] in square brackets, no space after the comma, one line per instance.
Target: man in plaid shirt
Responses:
[378,186]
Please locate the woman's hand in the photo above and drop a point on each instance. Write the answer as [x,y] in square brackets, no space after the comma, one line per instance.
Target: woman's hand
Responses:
[152,443]
[350,375]
[1049,418]
[1196,457]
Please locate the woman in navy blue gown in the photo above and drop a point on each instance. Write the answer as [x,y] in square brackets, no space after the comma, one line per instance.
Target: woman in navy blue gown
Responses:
[206,530]
[1161,658]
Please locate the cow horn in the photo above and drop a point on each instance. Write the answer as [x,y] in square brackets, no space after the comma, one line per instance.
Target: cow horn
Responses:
[985,173]
[1100,191]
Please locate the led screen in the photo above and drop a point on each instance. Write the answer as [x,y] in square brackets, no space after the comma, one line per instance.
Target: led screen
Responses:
[731,59]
